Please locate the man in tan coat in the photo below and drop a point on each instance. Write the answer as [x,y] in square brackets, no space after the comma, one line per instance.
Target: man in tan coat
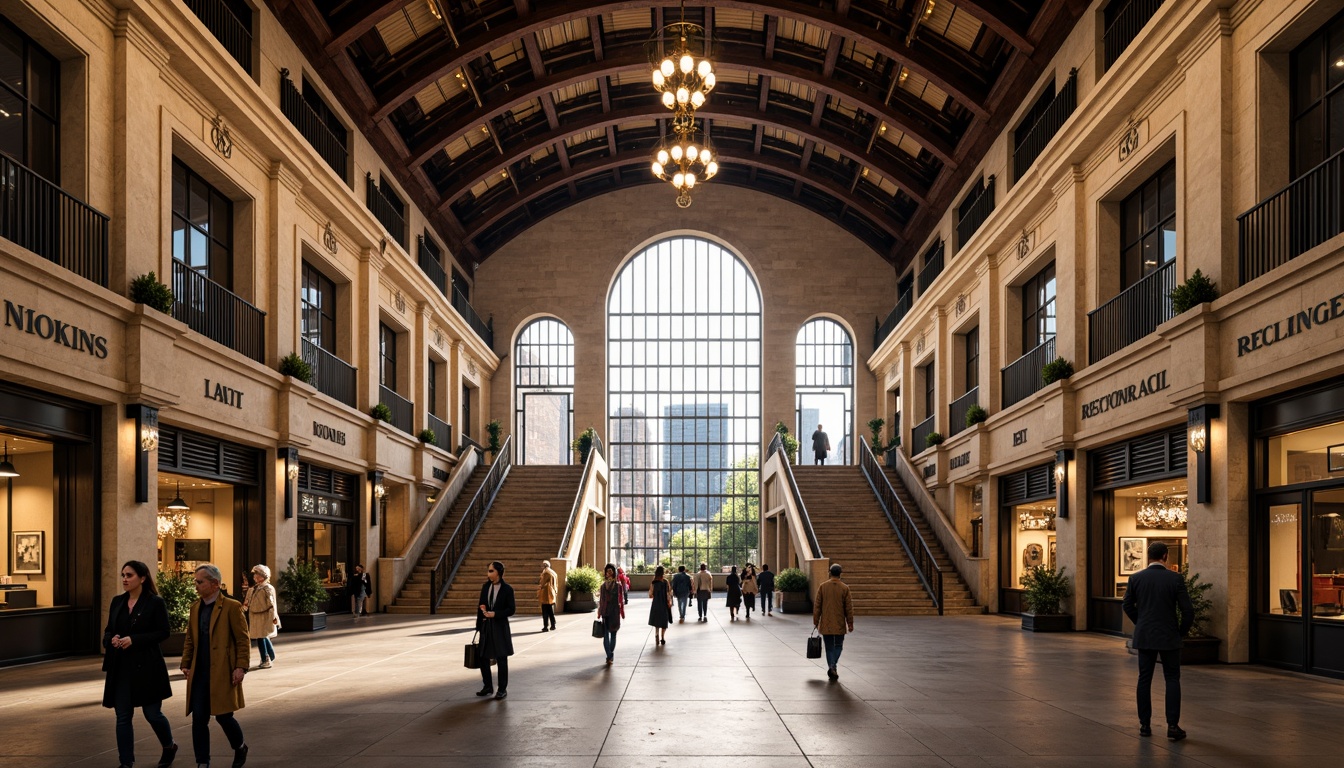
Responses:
[215,656]
[833,616]
[547,587]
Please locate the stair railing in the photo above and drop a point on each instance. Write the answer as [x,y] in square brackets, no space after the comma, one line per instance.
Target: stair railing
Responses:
[396,570]
[973,570]
[455,551]
[916,548]
[777,445]
[589,469]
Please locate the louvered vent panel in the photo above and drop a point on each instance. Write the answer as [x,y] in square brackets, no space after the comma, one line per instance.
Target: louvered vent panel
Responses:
[343,485]
[1109,464]
[1178,450]
[167,448]
[240,464]
[200,454]
[1148,456]
[1039,482]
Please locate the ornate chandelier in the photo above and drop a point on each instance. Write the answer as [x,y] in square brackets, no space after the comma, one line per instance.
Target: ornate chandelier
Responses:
[683,75]
[683,162]
[1165,512]
[173,522]
[1038,520]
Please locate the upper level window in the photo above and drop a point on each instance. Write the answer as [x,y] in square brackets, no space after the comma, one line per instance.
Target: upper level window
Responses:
[972,359]
[1148,227]
[1318,97]
[1038,309]
[543,367]
[202,226]
[29,103]
[387,357]
[318,297]
[930,392]
[824,383]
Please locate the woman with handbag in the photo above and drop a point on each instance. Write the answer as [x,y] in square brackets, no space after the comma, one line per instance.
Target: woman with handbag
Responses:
[749,588]
[660,613]
[492,621]
[610,609]
[263,621]
[137,676]
[734,593]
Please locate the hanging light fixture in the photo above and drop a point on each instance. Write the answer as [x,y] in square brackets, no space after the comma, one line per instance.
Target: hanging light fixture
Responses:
[6,467]
[177,502]
[681,71]
[685,161]
[1164,513]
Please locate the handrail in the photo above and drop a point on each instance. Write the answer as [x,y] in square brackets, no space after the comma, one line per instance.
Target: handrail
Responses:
[1125,26]
[227,28]
[460,542]
[217,313]
[894,317]
[979,211]
[1022,377]
[443,431]
[578,498]
[956,412]
[1034,140]
[403,410]
[332,376]
[1293,220]
[483,328]
[330,147]
[1131,314]
[906,530]
[40,216]
[384,210]
[777,444]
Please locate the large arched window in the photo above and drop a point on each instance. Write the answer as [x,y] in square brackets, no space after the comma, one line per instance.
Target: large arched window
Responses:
[684,407]
[825,388]
[543,381]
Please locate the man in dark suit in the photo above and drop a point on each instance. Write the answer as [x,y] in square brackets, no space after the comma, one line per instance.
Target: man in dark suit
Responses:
[1151,601]
[492,621]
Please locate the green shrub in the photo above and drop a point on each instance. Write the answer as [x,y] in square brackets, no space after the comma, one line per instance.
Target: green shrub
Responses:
[493,429]
[146,289]
[1046,590]
[583,579]
[1196,290]
[791,580]
[1199,601]
[932,439]
[583,444]
[790,442]
[381,412]
[300,587]
[975,414]
[1056,369]
[427,436]
[178,590]
[293,365]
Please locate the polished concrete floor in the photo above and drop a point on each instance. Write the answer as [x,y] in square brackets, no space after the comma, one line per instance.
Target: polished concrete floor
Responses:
[953,691]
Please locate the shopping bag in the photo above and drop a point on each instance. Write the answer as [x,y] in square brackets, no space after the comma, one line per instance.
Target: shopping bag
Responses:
[599,628]
[471,653]
[814,646]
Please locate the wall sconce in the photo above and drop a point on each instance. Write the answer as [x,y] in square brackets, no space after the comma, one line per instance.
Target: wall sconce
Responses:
[1198,422]
[1062,459]
[379,493]
[147,434]
[291,458]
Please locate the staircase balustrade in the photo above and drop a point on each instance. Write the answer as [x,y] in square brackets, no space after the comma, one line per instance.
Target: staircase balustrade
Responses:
[589,469]
[777,445]
[916,548]
[398,569]
[456,550]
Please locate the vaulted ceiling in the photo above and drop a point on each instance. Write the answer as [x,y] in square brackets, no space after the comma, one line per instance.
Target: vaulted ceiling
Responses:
[493,114]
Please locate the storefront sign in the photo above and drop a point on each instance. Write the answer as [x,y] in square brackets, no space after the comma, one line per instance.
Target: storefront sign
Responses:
[1155,383]
[1322,313]
[327,433]
[225,395]
[930,470]
[50,329]
[1019,437]
[440,474]
[960,461]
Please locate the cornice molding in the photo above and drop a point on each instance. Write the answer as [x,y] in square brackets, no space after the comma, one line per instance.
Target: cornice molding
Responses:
[281,172]
[129,26]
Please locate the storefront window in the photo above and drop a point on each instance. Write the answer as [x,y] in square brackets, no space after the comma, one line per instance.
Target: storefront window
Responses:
[1033,538]
[203,532]
[1145,514]
[30,513]
[1327,554]
[1285,560]
[1306,456]
[328,545]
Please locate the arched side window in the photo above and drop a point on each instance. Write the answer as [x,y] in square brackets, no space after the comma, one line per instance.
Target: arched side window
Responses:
[543,385]
[824,388]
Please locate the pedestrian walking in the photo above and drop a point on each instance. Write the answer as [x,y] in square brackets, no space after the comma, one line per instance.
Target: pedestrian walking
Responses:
[263,621]
[359,587]
[660,612]
[704,587]
[833,616]
[1151,600]
[734,593]
[610,609]
[821,445]
[681,588]
[624,579]
[547,590]
[137,622]
[749,588]
[765,582]
[214,661]
[492,621]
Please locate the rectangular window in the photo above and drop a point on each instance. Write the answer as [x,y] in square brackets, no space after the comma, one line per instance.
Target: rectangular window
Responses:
[387,357]
[433,372]
[1148,227]
[30,123]
[466,411]
[972,359]
[1038,309]
[930,390]
[202,226]
[318,314]
[1317,67]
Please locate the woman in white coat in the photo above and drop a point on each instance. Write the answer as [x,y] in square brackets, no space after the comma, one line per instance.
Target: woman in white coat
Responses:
[263,621]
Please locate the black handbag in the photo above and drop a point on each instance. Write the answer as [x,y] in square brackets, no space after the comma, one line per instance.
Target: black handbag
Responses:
[471,653]
[814,646]
[599,628]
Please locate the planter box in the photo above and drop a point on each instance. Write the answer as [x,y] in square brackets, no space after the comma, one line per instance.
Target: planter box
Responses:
[173,645]
[1047,622]
[1194,650]
[302,622]
[580,602]
[794,602]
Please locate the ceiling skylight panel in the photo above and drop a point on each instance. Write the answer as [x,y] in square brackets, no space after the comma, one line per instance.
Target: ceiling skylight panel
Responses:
[560,34]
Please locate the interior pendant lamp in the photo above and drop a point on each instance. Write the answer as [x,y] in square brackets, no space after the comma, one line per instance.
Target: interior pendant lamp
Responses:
[177,502]
[7,467]
[681,71]
[683,161]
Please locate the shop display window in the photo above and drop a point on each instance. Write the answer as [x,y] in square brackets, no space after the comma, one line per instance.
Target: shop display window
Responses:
[201,533]
[1144,514]
[1033,538]
[28,500]
[1327,554]
[1306,456]
[328,546]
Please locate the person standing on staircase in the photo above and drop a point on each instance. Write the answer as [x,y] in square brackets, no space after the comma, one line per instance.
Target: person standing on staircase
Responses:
[704,587]
[833,616]
[821,445]
[492,621]
[766,583]
[546,594]
[681,587]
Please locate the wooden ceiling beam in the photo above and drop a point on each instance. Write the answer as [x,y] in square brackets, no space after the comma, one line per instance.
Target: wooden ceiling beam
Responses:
[1006,18]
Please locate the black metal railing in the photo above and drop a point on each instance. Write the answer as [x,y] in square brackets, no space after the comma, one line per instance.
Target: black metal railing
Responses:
[1049,123]
[956,412]
[1293,220]
[1022,377]
[443,431]
[1125,26]
[933,267]
[217,313]
[403,410]
[40,216]
[777,446]
[227,28]
[1134,313]
[483,328]
[455,551]
[332,376]
[919,436]
[894,318]
[385,210]
[329,146]
[431,266]
[979,211]
[597,450]
[912,541]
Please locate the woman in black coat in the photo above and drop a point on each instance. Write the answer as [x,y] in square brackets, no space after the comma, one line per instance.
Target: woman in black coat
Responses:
[734,593]
[492,621]
[137,621]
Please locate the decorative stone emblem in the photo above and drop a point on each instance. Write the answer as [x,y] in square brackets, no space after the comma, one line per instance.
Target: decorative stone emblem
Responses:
[471,366]
[1129,143]
[1024,245]
[382,245]
[219,135]
[329,239]
[919,345]
[438,338]
[400,301]
[961,305]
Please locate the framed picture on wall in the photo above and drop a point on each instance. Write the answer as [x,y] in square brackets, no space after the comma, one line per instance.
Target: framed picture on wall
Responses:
[1050,558]
[1334,458]
[30,552]
[1175,552]
[1131,554]
[193,550]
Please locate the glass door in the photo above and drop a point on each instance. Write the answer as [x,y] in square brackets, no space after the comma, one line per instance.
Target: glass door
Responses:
[1279,636]
[1326,532]
[829,410]
[546,428]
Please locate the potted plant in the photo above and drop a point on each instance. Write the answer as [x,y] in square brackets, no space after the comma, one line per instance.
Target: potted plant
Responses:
[427,436]
[790,442]
[293,365]
[583,444]
[381,412]
[793,594]
[975,415]
[146,289]
[1196,290]
[1046,590]
[300,589]
[932,439]
[1198,647]
[178,591]
[1056,369]
[493,429]
[582,583]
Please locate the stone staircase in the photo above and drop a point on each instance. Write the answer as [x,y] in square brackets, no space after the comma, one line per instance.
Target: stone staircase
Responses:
[414,595]
[853,531]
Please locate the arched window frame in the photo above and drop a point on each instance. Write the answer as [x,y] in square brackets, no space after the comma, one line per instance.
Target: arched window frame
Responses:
[824,365]
[550,342]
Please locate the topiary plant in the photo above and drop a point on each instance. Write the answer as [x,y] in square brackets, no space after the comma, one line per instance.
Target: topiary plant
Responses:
[790,442]
[1200,602]
[932,439]
[1196,290]
[584,579]
[178,590]
[493,429]
[583,444]
[1046,589]
[293,365]
[300,587]
[146,289]
[791,580]
[975,414]
[1056,369]
[381,412]
[427,436]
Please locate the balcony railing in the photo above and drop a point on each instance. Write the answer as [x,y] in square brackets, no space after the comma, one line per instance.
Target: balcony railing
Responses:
[894,318]
[1133,314]
[1054,117]
[331,147]
[919,436]
[956,413]
[431,266]
[933,267]
[1293,220]
[403,410]
[484,329]
[217,313]
[1022,377]
[385,211]
[332,376]
[443,431]
[1126,25]
[226,28]
[980,210]
[40,216]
